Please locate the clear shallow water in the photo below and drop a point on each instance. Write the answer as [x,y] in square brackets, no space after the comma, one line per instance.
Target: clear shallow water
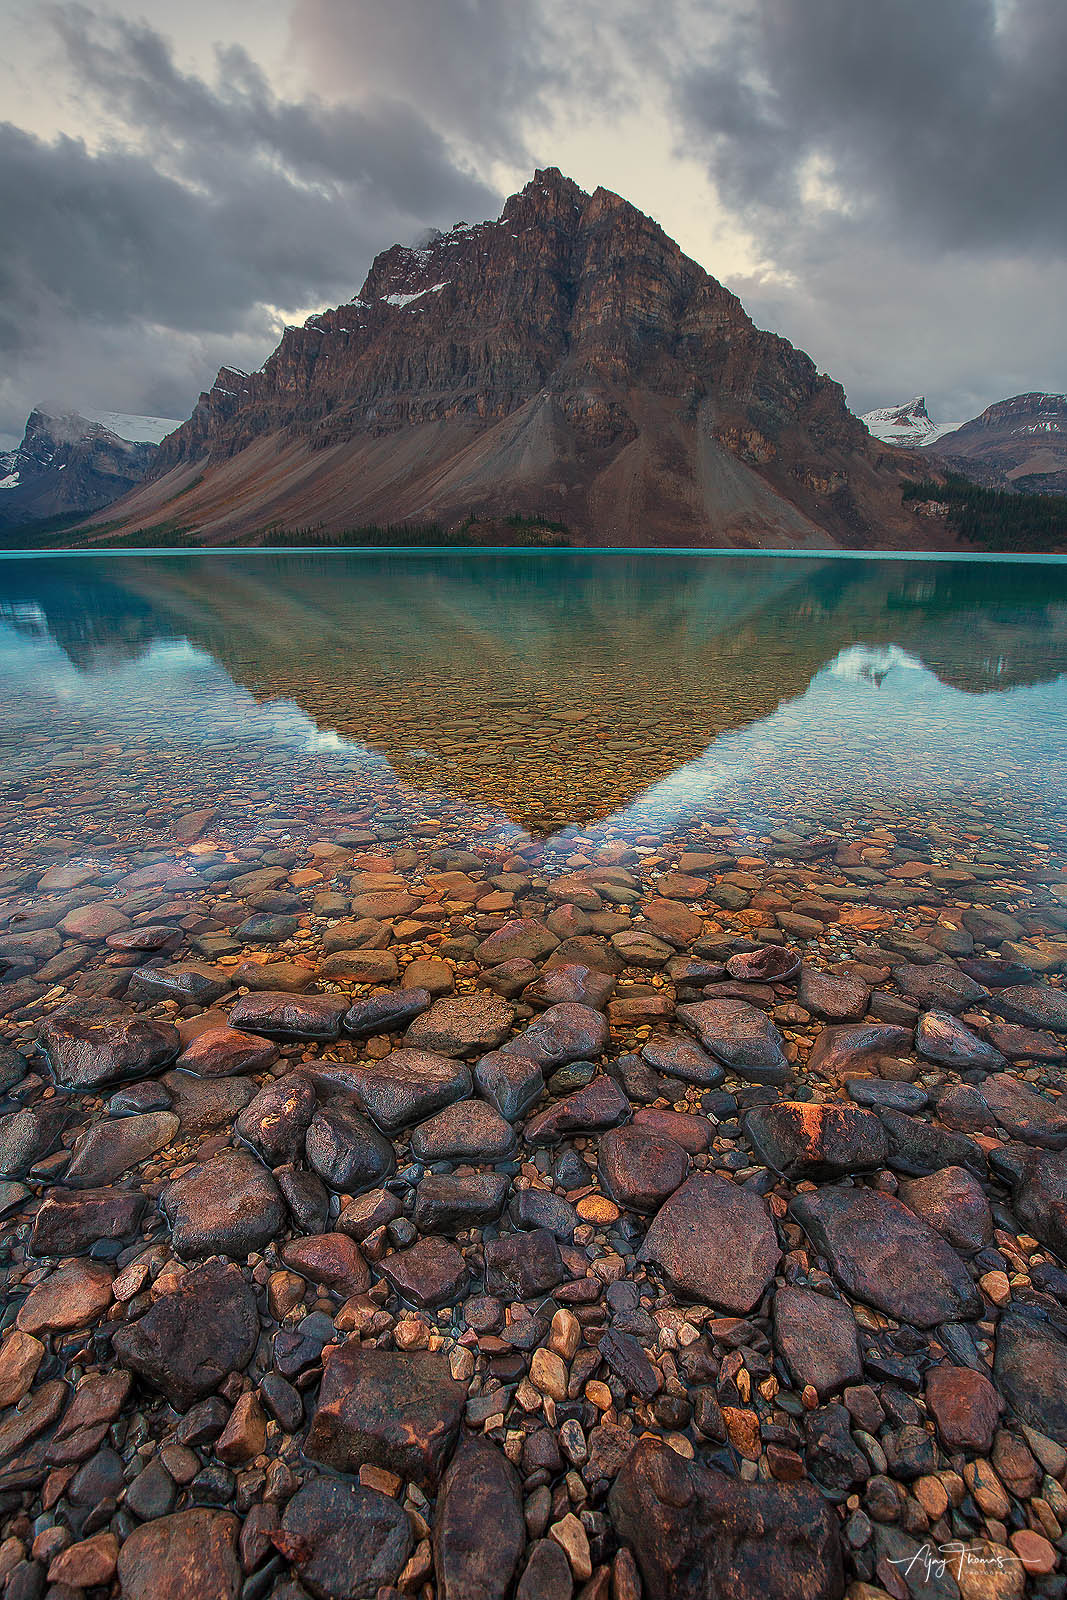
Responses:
[566,695]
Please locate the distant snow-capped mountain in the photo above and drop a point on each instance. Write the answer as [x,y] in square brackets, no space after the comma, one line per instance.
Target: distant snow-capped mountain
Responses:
[69,462]
[909,425]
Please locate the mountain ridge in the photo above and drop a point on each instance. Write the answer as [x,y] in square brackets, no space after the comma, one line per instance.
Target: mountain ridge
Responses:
[566,360]
[71,462]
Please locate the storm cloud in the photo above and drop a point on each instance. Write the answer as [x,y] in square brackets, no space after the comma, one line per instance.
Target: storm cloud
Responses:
[217,207]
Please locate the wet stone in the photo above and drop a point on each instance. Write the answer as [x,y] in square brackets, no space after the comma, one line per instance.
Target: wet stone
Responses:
[561,1034]
[195,983]
[75,1295]
[739,1036]
[331,1259]
[802,1139]
[192,1338]
[601,1104]
[470,1130]
[86,1054]
[522,937]
[832,995]
[346,1151]
[432,1272]
[108,1149]
[680,1058]
[393,1409]
[523,1264]
[278,1015]
[953,1202]
[965,1406]
[204,1104]
[277,1119]
[817,1337]
[69,1222]
[510,1083]
[385,1013]
[570,984]
[344,1541]
[844,1048]
[773,963]
[884,1254]
[449,1204]
[938,986]
[188,1554]
[1025,1113]
[462,1025]
[536,1208]
[1033,1005]
[640,1168]
[407,1086]
[714,1242]
[1031,1371]
[227,1052]
[228,1206]
[479,1532]
[942,1037]
[697,1532]
[917,1147]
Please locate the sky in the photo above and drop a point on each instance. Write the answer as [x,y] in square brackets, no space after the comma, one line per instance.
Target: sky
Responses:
[884,184]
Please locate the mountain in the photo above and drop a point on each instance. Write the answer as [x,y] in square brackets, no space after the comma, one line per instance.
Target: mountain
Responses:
[909,425]
[566,361]
[1019,443]
[71,462]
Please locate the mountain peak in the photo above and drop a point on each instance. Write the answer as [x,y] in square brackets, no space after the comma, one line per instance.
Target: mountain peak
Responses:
[566,360]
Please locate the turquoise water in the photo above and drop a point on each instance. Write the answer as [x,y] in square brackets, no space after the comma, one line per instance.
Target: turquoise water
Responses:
[559,694]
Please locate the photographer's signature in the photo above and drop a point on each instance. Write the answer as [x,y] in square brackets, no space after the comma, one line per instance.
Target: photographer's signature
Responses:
[933,1561]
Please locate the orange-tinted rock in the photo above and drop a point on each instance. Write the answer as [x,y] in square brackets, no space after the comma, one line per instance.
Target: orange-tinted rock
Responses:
[714,1242]
[965,1406]
[394,1409]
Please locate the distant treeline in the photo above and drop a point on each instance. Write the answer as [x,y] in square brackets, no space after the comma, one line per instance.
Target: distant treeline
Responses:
[526,532]
[996,519]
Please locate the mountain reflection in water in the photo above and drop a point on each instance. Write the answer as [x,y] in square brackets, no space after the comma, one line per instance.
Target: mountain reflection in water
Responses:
[558,687]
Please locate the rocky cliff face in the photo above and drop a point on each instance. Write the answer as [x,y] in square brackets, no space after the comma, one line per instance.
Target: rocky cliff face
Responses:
[567,360]
[68,463]
[1019,443]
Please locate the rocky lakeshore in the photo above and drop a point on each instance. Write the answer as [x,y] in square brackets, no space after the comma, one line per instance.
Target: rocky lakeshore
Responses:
[393,1209]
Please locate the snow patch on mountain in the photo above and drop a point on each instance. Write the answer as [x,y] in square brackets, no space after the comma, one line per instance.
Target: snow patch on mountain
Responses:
[909,424]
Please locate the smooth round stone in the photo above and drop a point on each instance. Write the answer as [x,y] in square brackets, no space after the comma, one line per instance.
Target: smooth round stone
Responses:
[882,1092]
[227,1052]
[469,1130]
[354,1541]
[640,1168]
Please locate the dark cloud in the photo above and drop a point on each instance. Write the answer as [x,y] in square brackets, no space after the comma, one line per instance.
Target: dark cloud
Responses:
[218,203]
[903,170]
[948,118]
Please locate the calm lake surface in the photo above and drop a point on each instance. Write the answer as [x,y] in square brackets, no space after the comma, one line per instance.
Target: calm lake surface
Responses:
[559,695]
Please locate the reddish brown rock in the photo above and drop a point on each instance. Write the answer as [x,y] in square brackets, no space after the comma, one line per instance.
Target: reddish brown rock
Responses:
[803,1139]
[965,1406]
[479,1532]
[226,1052]
[190,1555]
[344,1540]
[462,1025]
[697,1533]
[714,1242]
[640,1168]
[329,1258]
[193,1337]
[601,1104]
[83,1054]
[838,1050]
[953,1202]
[75,1295]
[394,1409]
[887,1256]
[86,1564]
[739,1036]
[817,1337]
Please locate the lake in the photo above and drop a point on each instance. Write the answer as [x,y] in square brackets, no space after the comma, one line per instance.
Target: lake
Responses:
[552,696]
